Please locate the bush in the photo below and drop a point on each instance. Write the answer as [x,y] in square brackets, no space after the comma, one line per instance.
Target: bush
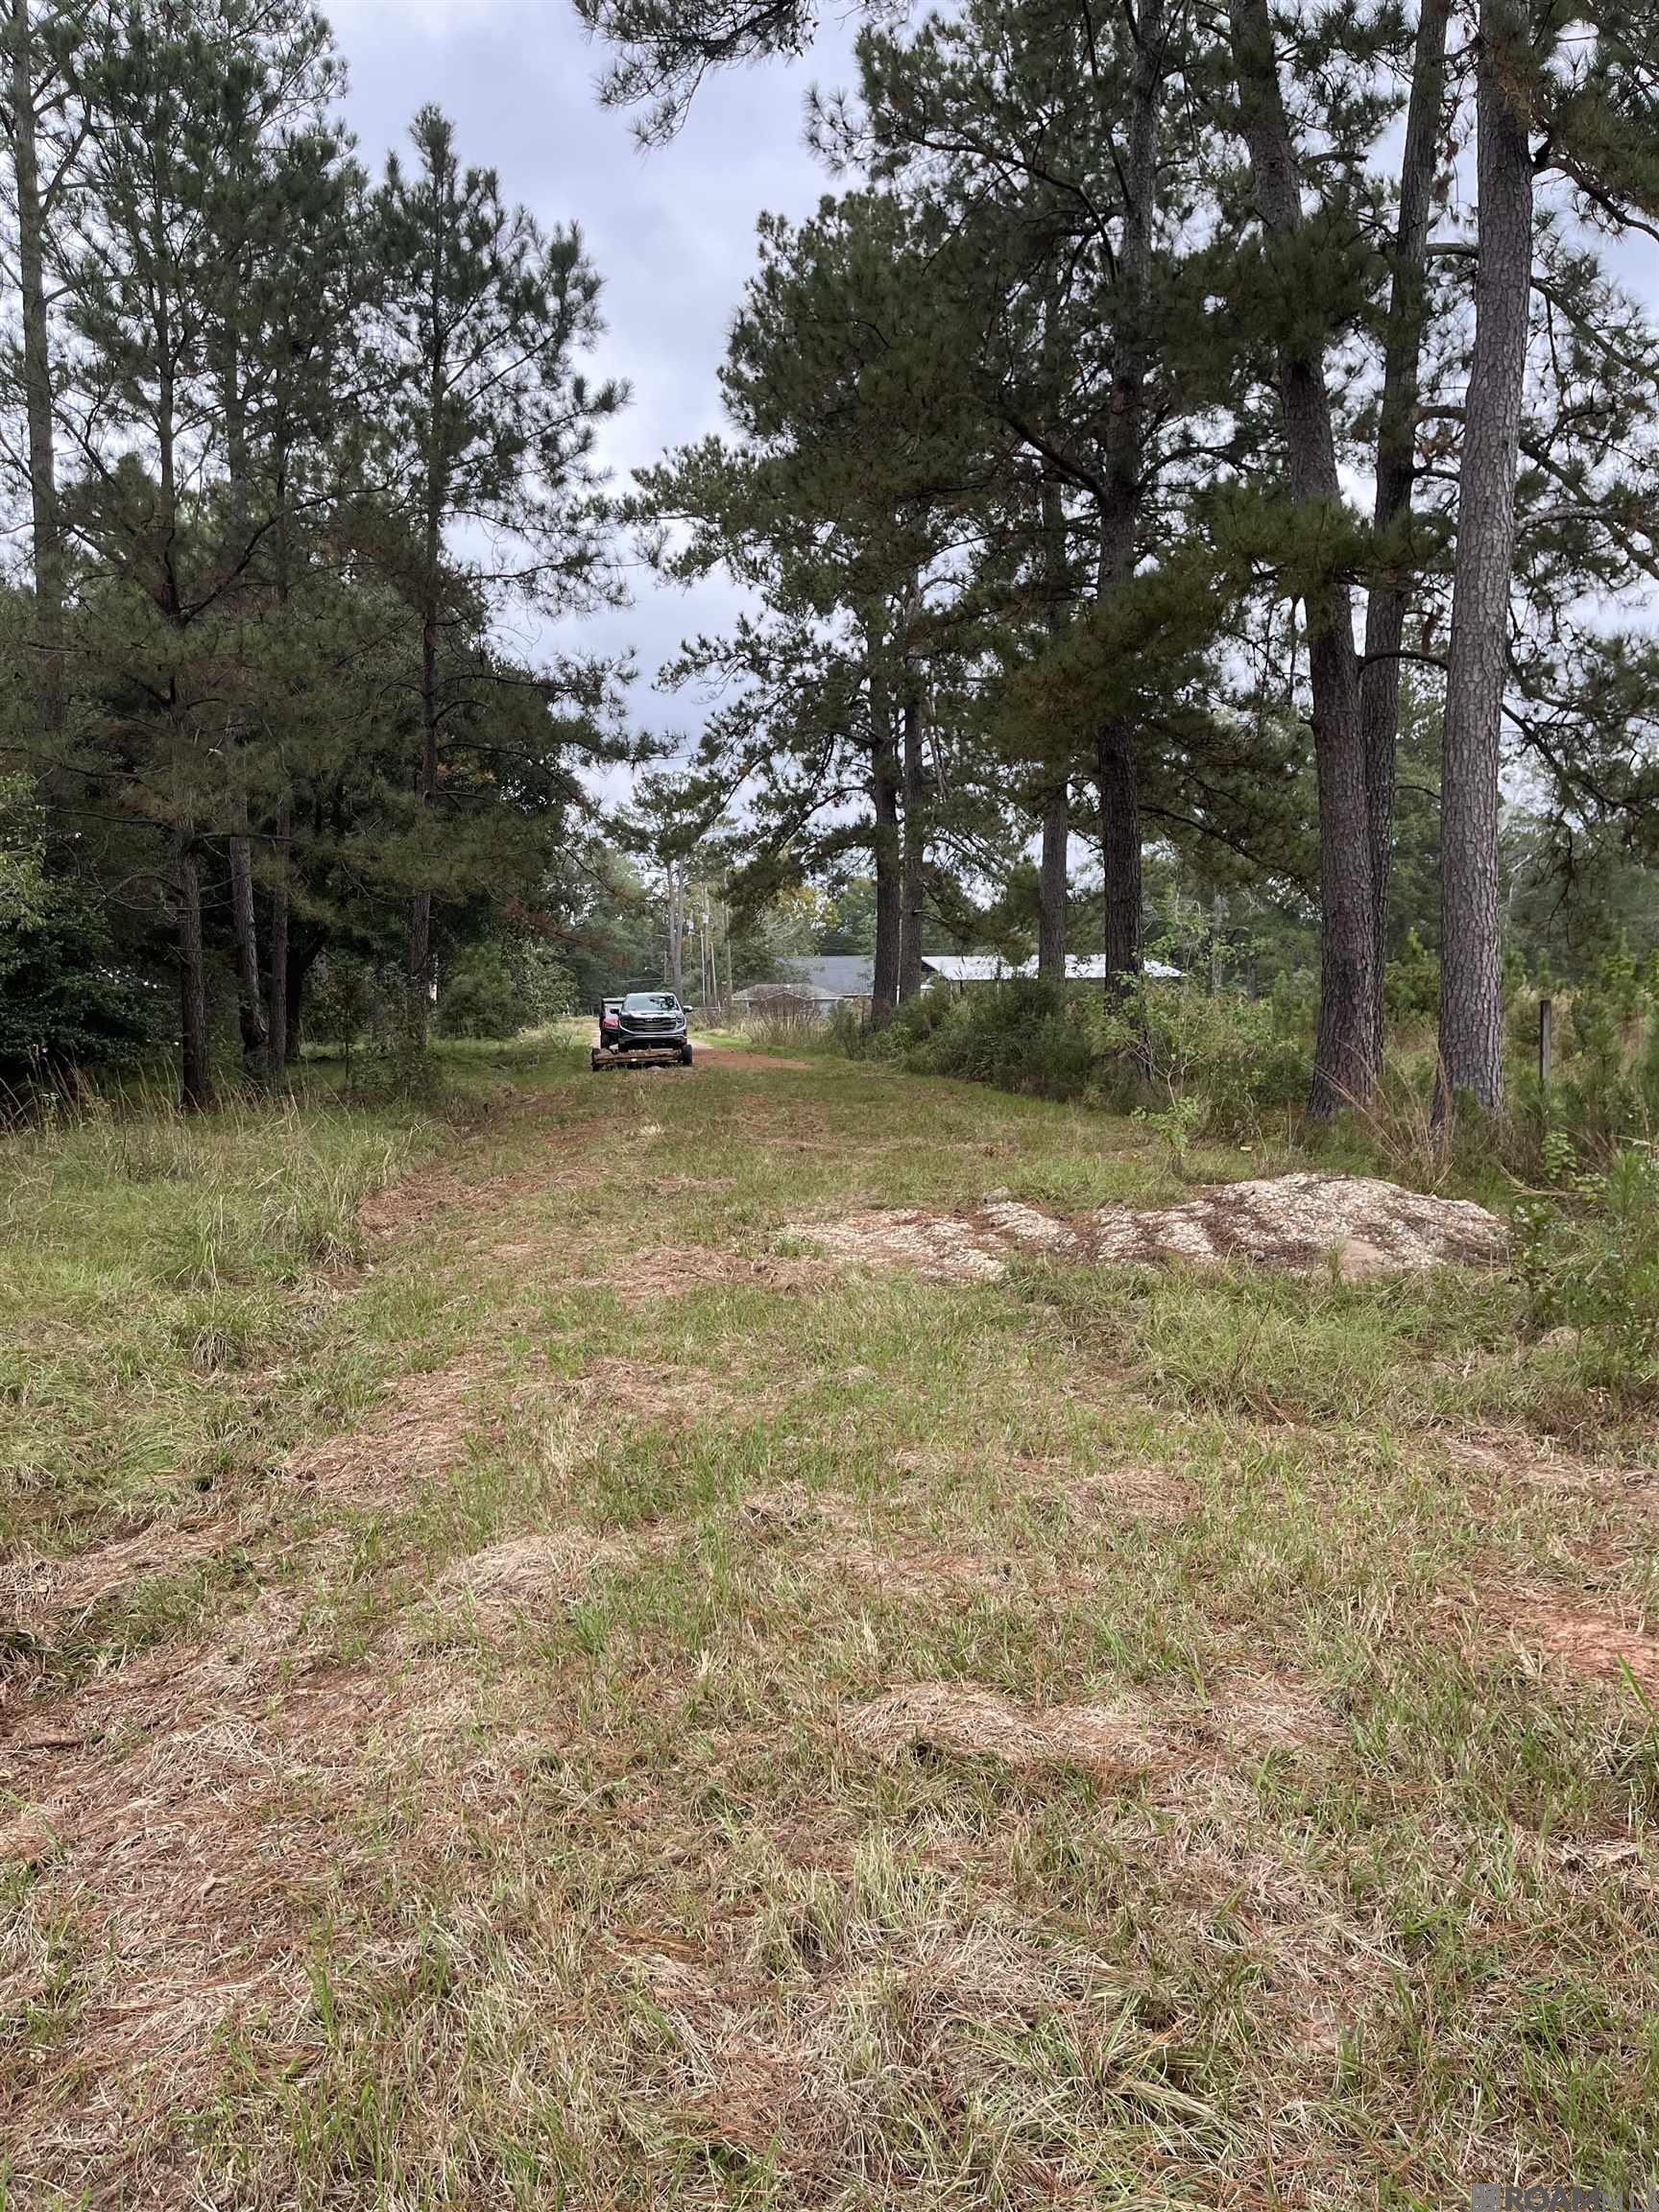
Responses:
[345,996]
[1411,984]
[1590,1262]
[66,1002]
[501,986]
[1219,1061]
[1216,1062]
[480,995]
[1604,1087]
[1021,1036]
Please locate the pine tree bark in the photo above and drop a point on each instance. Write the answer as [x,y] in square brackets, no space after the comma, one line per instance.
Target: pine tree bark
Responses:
[1123,456]
[1053,884]
[913,867]
[1472,950]
[250,1005]
[884,791]
[297,971]
[47,533]
[276,1039]
[419,958]
[420,961]
[195,1079]
[1120,855]
[1388,594]
[1344,1057]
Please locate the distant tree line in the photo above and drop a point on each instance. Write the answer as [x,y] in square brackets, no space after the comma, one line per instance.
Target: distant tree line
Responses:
[1173,394]
[287,440]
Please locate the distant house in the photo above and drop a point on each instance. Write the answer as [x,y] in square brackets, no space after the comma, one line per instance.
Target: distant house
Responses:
[830,974]
[964,968]
[1090,968]
[959,970]
[810,987]
[792,1001]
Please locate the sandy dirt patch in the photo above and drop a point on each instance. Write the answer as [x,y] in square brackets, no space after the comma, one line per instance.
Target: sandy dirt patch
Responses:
[1597,1648]
[1301,1223]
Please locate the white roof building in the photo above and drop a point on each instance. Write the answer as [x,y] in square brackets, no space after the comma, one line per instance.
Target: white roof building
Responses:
[992,967]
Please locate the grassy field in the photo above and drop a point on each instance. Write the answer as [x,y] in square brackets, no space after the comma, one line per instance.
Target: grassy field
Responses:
[530,1683]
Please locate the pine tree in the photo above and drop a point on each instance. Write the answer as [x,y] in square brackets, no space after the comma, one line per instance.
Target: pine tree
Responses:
[44,130]
[488,424]
[176,101]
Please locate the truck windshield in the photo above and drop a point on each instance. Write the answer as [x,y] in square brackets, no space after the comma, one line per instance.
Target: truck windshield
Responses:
[651,1002]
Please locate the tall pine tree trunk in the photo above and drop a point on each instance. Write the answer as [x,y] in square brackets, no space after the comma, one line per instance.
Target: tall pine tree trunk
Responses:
[420,961]
[250,1004]
[1472,950]
[884,774]
[195,1079]
[296,969]
[277,1041]
[31,220]
[1389,589]
[1123,460]
[1121,856]
[250,994]
[915,849]
[1053,884]
[1342,1053]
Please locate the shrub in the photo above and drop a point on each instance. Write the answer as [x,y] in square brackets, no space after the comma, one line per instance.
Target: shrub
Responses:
[1021,1036]
[346,996]
[66,1000]
[1211,1062]
[1590,1262]
[1411,984]
[480,994]
[1604,1087]
[1219,1061]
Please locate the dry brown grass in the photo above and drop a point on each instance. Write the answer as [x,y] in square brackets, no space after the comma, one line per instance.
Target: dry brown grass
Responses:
[1128,1736]
[418,1432]
[870,1749]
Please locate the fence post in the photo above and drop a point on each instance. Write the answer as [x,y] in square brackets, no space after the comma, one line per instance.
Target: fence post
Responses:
[1546,1010]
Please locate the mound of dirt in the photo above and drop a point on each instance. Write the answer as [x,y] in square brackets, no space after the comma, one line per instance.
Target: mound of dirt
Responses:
[1299,1224]
[1298,1221]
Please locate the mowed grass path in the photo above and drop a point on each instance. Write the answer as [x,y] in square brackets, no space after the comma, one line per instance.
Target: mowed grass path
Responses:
[534,1687]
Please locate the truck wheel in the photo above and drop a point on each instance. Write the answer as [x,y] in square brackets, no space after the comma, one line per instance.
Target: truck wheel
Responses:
[684,1055]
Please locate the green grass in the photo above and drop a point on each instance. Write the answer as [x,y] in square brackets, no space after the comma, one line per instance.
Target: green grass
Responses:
[506,1822]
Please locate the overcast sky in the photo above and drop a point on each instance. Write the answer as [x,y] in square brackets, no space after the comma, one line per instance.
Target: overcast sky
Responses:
[671,232]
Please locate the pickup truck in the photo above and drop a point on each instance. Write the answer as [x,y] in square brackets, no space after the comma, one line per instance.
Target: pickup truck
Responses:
[645,1026]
